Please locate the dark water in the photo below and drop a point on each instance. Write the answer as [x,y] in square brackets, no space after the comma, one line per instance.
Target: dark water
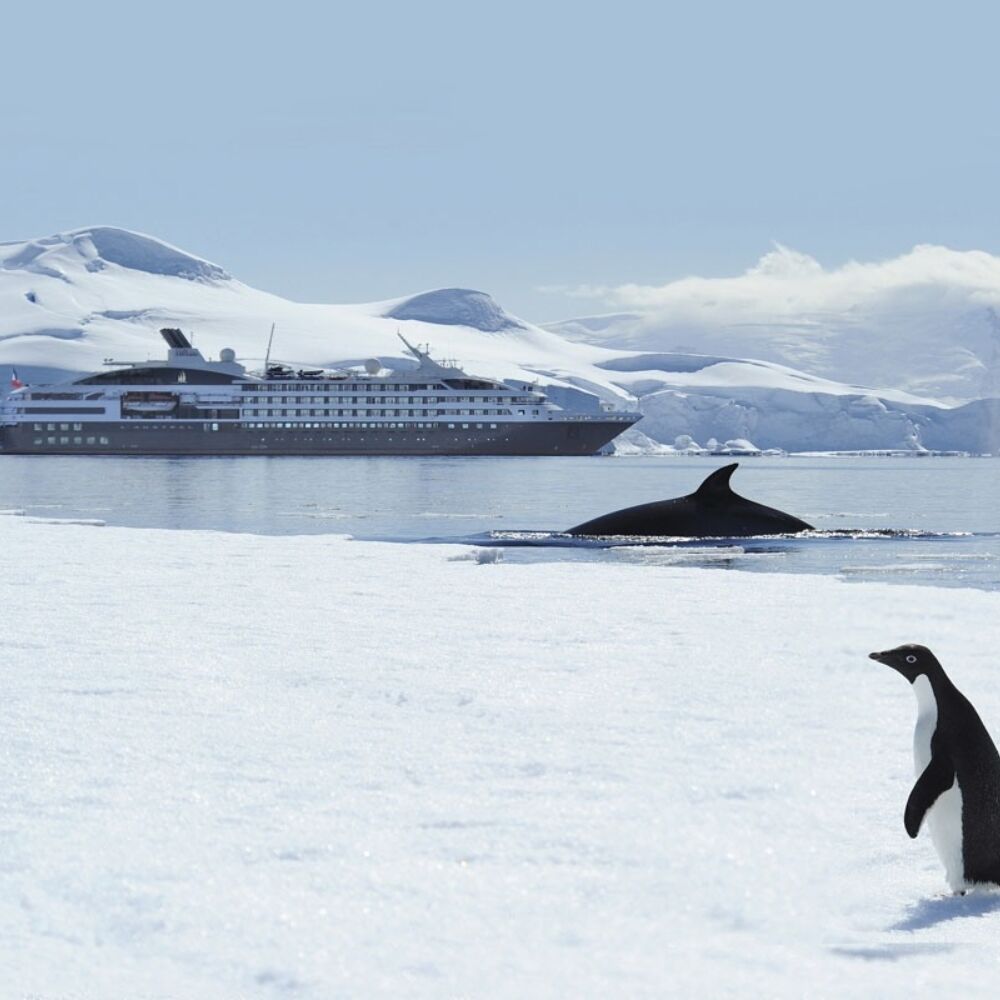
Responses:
[932,520]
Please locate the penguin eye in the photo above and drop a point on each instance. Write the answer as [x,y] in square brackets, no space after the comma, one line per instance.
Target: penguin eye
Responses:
[911,658]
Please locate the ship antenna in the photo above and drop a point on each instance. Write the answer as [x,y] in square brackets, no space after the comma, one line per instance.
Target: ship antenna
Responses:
[267,356]
[424,360]
[415,351]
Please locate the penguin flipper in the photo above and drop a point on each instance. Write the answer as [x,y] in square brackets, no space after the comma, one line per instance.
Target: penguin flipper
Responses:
[938,777]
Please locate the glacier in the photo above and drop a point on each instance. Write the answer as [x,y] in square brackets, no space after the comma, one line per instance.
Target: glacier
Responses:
[70,301]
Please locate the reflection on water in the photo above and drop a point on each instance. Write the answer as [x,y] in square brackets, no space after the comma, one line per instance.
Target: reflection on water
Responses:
[904,520]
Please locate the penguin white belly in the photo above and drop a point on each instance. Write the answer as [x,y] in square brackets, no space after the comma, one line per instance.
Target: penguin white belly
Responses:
[944,818]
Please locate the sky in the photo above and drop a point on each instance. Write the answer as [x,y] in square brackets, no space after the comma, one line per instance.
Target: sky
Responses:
[346,154]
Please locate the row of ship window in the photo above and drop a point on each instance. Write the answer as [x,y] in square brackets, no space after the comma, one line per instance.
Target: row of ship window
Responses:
[362,426]
[78,439]
[101,439]
[391,400]
[337,387]
[172,425]
[378,413]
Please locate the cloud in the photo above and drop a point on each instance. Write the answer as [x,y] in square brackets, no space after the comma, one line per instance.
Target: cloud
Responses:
[785,280]
[583,291]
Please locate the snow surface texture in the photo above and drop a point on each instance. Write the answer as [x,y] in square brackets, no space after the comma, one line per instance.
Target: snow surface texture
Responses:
[69,301]
[269,767]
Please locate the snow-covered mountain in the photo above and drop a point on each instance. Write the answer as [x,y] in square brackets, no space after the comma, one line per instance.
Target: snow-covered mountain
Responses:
[69,301]
[927,321]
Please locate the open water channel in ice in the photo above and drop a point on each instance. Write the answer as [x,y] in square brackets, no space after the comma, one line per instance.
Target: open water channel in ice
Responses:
[920,520]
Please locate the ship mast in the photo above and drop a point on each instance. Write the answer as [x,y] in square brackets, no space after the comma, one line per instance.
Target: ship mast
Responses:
[267,355]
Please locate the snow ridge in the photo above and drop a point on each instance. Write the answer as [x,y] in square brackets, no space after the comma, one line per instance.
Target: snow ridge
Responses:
[456,307]
[98,246]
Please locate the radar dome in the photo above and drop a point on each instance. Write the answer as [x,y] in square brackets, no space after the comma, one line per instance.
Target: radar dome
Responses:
[227,354]
[373,366]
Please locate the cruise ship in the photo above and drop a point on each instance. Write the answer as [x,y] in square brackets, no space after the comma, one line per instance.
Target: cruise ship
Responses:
[189,405]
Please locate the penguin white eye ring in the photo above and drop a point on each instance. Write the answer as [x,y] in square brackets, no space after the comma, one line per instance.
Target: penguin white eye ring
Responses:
[911,659]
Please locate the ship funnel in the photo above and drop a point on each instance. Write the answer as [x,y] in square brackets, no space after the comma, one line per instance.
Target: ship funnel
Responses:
[174,337]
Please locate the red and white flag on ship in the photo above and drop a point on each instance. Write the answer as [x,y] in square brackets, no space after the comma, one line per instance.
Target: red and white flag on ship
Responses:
[15,382]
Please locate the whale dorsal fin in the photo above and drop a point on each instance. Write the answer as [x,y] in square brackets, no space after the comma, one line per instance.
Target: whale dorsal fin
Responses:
[717,485]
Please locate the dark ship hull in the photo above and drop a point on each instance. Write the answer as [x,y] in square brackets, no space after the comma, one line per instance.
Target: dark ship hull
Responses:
[578,436]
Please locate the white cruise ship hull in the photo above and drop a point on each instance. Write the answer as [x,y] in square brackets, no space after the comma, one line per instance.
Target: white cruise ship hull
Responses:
[187,405]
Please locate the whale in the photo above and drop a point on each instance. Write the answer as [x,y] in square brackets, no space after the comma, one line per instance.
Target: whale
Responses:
[713,510]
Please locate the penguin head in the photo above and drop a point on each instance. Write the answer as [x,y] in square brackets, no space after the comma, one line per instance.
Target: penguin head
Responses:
[909,660]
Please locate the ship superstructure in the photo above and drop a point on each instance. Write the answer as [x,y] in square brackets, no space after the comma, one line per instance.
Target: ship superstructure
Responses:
[188,405]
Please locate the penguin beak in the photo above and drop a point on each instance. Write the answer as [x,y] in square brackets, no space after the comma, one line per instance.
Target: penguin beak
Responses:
[879,657]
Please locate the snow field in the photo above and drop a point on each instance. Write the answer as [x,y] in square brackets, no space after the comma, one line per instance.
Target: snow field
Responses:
[312,767]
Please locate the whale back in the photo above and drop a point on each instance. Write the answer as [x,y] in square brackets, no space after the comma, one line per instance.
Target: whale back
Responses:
[713,510]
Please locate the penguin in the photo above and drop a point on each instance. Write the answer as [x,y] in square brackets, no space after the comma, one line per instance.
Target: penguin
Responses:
[958,772]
